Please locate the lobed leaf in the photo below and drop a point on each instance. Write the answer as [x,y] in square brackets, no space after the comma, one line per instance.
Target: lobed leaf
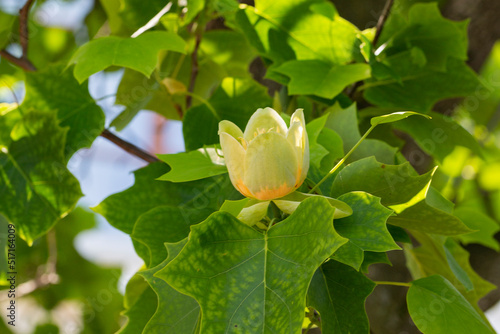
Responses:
[366,229]
[190,166]
[428,295]
[315,77]
[138,53]
[36,188]
[338,293]
[261,287]
[53,89]
[394,184]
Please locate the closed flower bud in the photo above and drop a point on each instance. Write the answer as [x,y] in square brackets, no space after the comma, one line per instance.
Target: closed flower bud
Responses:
[268,160]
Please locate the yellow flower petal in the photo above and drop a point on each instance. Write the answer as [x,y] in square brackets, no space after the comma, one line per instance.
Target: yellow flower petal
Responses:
[230,128]
[234,155]
[262,121]
[270,166]
[297,137]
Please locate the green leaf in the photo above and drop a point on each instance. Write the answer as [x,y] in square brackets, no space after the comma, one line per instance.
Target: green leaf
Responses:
[54,90]
[194,165]
[138,53]
[338,293]
[235,100]
[345,123]
[230,50]
[485,227]
[394,117]
[330,140]
[123,209]
[370,258]
[176,312]
[394,184]
[399,234]
[6,23]
[136,13]
[193,8]
[35,186]
[366,229]
[140,303]
[136,92]
[436,37]
[341,209]
[302,30]
[165,224]
[234,207]
[9,116]
[439,255]
[419,89]
[439,136]
[436,307]
[315,77]
[316,151]
[252,281]
[432,215]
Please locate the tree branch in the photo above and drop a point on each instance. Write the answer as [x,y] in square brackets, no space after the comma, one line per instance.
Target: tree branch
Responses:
[22,61]
[128,147]
[381,21]
[194,70]
[23,26]
[378,31]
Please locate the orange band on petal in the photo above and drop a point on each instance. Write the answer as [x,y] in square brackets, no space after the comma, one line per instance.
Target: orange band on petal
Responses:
[242,188]
[268,194]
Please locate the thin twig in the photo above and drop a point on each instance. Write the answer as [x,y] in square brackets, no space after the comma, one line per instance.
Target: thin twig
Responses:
[128,147]
[378,31]
[381,21]
[23,26]
[22,61]
[194,70]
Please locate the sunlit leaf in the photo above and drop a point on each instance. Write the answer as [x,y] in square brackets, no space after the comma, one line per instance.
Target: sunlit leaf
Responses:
[138,53]
[394,184]
[55,90]
[260,287]
[176,312]
[394,117]
[191,166]
[315,77]
[35,186]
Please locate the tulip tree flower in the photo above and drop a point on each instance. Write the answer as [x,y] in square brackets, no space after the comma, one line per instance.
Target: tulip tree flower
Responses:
[268,160]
